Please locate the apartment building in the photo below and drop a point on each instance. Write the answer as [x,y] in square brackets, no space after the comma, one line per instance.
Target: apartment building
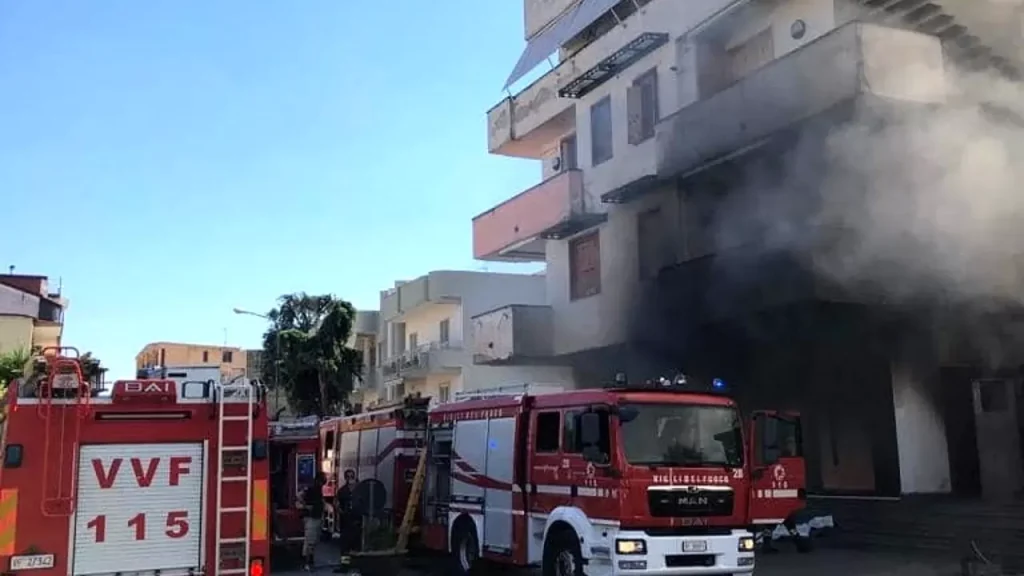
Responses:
[364,336]
[424,342]
[31,316]
[232,360]
[659,120]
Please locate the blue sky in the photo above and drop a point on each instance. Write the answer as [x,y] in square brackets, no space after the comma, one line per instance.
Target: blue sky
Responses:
[169,160]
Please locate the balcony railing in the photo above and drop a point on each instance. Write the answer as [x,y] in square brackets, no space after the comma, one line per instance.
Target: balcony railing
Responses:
[513,334]
[517,228]
[842,65]
[424,359]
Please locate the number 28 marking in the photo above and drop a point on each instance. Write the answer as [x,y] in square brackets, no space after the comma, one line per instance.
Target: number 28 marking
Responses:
[176,525]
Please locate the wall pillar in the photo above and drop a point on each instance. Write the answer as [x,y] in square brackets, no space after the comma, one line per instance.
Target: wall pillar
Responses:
[920,429]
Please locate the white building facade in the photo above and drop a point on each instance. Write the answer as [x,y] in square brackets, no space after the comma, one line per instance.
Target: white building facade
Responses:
[654,108]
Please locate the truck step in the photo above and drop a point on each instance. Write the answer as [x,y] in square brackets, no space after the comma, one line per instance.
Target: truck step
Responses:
[234,509]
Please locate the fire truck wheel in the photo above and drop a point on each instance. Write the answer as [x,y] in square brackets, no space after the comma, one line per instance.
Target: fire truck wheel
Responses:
[465,548]
[562,554]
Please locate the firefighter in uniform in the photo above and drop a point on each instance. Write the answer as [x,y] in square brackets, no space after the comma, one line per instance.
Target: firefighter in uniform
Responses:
[349,521]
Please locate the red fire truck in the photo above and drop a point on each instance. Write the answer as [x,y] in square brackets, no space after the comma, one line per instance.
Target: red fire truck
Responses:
[382,445]
[157,477]
[657,478]
[293,463]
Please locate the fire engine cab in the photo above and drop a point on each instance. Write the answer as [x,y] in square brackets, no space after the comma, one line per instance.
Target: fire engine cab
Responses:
[654,479]
[157,477]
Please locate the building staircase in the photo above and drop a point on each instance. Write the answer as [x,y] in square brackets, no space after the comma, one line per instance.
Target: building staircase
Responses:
[941,527]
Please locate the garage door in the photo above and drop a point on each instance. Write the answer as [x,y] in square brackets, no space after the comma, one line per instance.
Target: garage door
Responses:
[139,508]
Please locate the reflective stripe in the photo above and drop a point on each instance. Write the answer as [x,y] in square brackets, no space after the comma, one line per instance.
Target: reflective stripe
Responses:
[259,510]
[8,520]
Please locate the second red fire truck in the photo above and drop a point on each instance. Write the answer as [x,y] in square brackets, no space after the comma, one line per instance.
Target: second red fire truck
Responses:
[660,478]
[157,477]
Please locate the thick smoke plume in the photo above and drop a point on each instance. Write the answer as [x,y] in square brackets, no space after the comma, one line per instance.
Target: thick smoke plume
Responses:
[926,203]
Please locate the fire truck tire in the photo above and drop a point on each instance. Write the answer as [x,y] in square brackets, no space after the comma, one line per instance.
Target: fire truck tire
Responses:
[562,553]
[465,548]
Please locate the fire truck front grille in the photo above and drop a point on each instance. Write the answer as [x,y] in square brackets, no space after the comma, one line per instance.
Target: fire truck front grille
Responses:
[690,501]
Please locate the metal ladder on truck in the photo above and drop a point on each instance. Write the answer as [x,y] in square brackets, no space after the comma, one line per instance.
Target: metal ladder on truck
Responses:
[241,396]
[63,380]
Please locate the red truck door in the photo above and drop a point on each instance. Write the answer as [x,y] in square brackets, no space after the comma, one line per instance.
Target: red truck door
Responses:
[778,474]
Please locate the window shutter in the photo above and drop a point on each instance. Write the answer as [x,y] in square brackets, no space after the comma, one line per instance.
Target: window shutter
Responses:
[634,114]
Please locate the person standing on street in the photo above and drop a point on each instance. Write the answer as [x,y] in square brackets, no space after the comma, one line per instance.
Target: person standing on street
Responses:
[348,520]
[311,502]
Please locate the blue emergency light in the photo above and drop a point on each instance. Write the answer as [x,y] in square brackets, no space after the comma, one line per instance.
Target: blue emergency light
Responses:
[678,383]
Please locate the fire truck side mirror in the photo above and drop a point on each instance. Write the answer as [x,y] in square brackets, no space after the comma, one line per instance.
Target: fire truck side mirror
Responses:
[13,454]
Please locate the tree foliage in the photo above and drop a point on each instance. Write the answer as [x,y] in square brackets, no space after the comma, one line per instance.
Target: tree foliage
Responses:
[12,365]
[25,364]
[306,353]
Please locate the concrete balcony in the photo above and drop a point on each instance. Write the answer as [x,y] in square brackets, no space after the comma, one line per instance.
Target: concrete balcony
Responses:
[515,334]
[530,123]
[848,63]
[432,358]
[439,287]
[517,229]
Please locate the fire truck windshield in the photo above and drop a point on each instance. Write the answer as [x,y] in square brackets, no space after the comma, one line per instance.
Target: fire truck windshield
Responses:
[683,435]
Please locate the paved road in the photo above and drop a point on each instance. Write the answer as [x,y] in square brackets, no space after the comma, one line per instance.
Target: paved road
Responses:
[818,563]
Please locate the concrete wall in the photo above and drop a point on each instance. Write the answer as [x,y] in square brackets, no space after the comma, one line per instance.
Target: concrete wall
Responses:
[15,333]
[18,303]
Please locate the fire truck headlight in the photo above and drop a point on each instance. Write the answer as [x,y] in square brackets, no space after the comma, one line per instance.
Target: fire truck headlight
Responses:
[746,544]
[630,547]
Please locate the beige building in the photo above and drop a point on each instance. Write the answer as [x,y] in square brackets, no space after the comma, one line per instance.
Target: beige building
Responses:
[424,337]
[230,359]
[30,315]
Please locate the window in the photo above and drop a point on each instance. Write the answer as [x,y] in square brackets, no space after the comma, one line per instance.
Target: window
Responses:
[444,392]
[445,330]
[399,391]
[653,247]
[584,266]
[642,105]
[226,357]
[414,341]
[206,356]
[601,131]
[546,439]
[570,433]
[380,352]
[567,152]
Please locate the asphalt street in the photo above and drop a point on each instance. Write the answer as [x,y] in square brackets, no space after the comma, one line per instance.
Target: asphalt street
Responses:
[821,561]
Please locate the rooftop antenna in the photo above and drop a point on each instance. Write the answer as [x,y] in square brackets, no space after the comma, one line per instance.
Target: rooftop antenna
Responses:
[60,285]
[10,269]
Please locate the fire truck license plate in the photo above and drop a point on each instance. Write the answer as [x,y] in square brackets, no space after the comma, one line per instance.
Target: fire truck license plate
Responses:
[33,562]
[695,545]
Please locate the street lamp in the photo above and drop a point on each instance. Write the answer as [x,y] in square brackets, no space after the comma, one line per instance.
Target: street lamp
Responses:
[277,362]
